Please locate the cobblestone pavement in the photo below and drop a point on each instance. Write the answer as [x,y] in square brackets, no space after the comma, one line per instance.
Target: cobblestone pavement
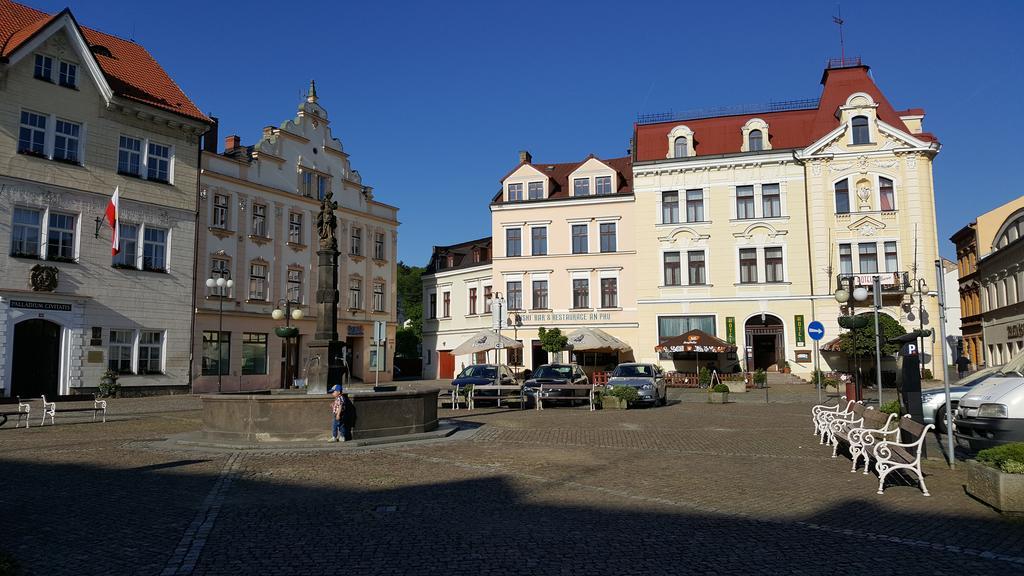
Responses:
[690,488]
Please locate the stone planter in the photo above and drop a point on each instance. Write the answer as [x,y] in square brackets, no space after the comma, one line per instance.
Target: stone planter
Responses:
[737,387]
[1002,491]
[718,397]
[613,403]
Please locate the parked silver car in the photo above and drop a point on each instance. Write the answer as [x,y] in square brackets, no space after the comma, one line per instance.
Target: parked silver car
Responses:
[648,379]
[553,374]
[933,400]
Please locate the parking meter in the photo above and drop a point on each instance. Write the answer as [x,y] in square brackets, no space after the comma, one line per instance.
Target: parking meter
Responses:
[909,376]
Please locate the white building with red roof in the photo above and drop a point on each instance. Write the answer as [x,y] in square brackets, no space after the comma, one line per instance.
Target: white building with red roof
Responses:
[83,113]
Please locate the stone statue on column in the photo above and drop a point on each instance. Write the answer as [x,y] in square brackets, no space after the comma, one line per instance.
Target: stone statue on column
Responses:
[325,344]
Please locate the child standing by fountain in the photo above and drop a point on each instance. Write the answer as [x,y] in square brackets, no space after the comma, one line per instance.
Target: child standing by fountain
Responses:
[339,430]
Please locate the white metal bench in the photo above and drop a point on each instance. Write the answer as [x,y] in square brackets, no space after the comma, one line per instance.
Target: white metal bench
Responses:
[556,391]
[23,410]
[826,417]
[841,405]
[453,396]
[50,408]
[863,440]
[891,455]
[510,392]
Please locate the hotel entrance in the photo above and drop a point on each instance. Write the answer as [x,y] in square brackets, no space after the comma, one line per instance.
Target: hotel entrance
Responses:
[766,344]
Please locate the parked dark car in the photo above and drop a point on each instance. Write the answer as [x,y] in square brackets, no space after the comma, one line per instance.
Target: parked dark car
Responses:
[482,375]
[648,379]
[549,374]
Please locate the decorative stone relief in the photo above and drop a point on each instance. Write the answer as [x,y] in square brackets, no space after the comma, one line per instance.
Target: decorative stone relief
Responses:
[912,161]
[816,168]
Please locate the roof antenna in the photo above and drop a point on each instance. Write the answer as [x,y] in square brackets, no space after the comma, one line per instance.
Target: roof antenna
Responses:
[838,19]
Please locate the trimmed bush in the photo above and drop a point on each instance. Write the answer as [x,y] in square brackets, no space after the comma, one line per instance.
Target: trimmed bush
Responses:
[1009,457]
[720,388]
[891,407]
[627,393]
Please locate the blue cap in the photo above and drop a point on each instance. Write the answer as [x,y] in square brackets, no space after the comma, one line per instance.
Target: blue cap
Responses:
[335,388]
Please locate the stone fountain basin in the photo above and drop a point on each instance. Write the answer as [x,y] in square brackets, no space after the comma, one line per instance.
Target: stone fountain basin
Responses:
[286,416]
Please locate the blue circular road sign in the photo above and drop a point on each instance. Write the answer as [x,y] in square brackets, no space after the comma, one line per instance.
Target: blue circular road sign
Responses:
[816,330]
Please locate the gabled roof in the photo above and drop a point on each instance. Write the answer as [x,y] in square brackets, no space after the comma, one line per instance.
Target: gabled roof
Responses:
[130,70]
[786,129]
[461,254]
[558,176]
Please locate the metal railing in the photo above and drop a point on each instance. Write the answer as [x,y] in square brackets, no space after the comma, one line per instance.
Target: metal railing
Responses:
[891,281]
[844,62]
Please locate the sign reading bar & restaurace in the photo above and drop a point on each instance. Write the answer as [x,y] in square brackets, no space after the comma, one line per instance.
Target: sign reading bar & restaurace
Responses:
[567,317]
[28,304]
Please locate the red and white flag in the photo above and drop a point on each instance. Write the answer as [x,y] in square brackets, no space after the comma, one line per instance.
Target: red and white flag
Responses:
[115,223]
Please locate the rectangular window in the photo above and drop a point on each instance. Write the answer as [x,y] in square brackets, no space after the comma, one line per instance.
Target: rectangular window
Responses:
[670,326]
[154,249]
[535,190]
[60,237]
[323,184]
[220,268]
[44,68]
[355,294]
[472,301]
[695,268]
[868,252]
[887,198]
[694,205]
[159,163]
[673,276]
[744,202]
[129,238]
[220,211]
[378,245]
[540,294]
[119,351]
[259,220]
[609,292]
[151,345]
[539,241]
[433,306]
[515,192]
[845,259]
[748,266]
[446,304]
[603,184]
[68,75]
[129,156]
[891,263]
[216,353]
[257,282]
[254,353]
[294,290]
[26,230]
[581,187]
[66,139]
[514,293]
[773,265]
[579,238]
[356,247]
[771,201]
[306,184]
[513,242]
[32,134]
[608,239]
[669,207]
[295,227]
[842,197]
[487,299]
[580,293]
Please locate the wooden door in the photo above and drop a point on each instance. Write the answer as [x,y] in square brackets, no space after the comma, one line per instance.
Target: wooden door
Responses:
[445,364]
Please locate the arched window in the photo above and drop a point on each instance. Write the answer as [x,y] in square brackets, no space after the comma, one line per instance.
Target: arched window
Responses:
[754,139]
[860,130]
[680,147]
[842,197]
[886,196]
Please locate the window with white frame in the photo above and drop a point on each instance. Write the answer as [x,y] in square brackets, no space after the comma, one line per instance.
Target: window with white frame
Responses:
[513,242]
[515,192]
[773,264]
[220,268]
[294,289]
[221,207]
[514,294]
[754,139]
[128,242]
[748,266]
[158,163]
[488,298]
[680,148]
[151,344]
[68,75]
[119,351]
[540,295]
[43,68]
[26,231]
[744,202]
[378,296]
[695,266]
[670,207]
[891,261]
[868,257]
[886,195]
[580,187]
[609,241]
[579,238]
[861,134]
[67,141]
[845,259]
[295,227]
[32,134]
[539,240]
[672,267]
[771,201]
[259,220]
[432,312]
[378,245]
[257,281]
[695,205]
[60,237]
[154,249]
[471,301]
[535,190]
[446,304]
[603,185]
[129,156]
[842,192]
[609,292]
[306,183]
[355,293]
[356,246]
[580,293]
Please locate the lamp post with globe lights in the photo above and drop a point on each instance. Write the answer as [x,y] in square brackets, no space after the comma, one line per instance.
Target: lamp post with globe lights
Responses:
[849,297]
[287,332]
[222,285]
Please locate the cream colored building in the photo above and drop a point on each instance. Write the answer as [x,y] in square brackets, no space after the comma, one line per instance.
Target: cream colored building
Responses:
[258,209]
[752,219]
[1000,280]
[82,113]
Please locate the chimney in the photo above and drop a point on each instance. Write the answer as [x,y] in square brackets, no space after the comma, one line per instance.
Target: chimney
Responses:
[524,157]
[210,138]
[232,142]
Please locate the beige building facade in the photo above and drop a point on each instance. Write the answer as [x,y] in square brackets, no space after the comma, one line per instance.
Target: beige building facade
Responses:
[258,211]
[1000,281]
[83,113]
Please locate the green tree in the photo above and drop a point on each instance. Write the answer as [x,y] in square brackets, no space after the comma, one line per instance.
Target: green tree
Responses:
[410,297]
[552,341]
[860,342]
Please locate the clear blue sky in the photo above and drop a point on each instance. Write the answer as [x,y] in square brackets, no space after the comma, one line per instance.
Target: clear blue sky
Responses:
[433,100]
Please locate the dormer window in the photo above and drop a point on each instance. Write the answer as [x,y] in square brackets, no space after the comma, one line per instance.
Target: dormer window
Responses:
[680,142]
[450,261]
[580,187]
[515,192]
[755,141]
[476,255]
[442,262]
[680,147]
[536,190]
[603,184]
[861,134]
[755,136]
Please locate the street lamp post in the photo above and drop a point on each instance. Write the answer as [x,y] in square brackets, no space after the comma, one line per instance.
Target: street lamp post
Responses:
[498,315]
[515,321]
[919,287]
[850,297]
[287,331]
[222,284]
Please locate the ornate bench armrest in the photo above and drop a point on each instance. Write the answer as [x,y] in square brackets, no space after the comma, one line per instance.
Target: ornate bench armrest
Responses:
[98,404]
[869,435]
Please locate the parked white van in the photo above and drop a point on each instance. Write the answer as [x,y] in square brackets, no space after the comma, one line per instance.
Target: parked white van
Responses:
[992,413]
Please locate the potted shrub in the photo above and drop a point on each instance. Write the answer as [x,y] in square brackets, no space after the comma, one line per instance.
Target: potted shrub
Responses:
[619,397]
[760,378]
[109,388]
[785,367]
[719,394]
[704,377]
[996,477]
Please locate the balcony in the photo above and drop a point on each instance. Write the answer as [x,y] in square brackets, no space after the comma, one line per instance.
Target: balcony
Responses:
[892,282]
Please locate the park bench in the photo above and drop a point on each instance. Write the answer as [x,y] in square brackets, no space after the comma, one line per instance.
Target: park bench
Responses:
[7,409]
[877,426]
[816,411]
[892,455]
[824,417]
[50,407]
[839,427]
[511,392]
[558,391]
[452,395]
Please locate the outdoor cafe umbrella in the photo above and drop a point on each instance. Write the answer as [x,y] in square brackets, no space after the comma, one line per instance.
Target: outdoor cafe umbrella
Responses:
[695,341]
[485,340]
[595,340]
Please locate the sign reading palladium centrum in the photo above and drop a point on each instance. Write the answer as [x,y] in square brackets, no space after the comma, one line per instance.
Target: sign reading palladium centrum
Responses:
[567,317]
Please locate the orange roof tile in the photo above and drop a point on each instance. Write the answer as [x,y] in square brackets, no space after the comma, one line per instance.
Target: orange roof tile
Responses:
[130,70]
